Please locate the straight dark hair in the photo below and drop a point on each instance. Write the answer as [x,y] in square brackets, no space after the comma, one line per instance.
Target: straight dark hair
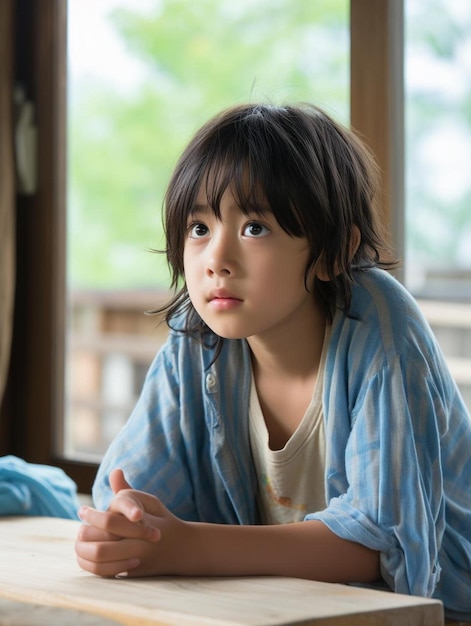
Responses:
[317,178]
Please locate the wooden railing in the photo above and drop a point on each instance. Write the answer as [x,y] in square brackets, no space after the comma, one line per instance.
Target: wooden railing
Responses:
[112,343]
[451,324]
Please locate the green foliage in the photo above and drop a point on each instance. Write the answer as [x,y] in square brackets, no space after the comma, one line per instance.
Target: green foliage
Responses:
[199,57]
[438,224]
[217,51]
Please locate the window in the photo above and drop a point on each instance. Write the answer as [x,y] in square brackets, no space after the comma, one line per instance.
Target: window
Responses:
[179,62]
[33,406]
[438,186]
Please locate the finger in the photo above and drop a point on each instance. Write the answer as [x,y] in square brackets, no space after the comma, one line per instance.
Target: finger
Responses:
[131,506]
[107,570]
[127,503]
[109,558]
[118,481]
[135,503]
[109,551]
[90,533]
[115,523]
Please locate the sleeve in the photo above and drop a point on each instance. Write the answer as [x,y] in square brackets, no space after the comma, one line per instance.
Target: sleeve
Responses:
[384,482]
[150,448]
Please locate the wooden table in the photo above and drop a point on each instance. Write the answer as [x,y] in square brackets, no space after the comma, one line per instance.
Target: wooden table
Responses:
[41,583]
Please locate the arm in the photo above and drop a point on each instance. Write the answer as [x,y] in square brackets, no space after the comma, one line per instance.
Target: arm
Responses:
[302,550]
[124,539]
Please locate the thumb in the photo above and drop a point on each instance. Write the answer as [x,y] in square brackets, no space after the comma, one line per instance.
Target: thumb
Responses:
[118,481]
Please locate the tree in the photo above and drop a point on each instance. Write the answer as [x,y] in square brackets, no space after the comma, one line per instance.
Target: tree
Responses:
[438,134]
[198,57]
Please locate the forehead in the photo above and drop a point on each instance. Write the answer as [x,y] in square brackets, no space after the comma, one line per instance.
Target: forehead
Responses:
[235,185]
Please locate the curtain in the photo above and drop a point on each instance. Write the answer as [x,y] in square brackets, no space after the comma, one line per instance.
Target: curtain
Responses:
[7,190]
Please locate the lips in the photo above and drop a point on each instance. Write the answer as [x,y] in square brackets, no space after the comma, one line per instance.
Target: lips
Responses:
[222,294]
[223,300]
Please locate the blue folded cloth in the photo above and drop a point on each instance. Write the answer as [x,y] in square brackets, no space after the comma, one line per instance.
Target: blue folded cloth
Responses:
[32,489]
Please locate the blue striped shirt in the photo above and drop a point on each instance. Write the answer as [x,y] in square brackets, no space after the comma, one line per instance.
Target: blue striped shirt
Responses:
[398,441]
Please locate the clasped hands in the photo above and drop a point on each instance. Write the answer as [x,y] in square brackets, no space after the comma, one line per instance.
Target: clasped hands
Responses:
[136,536]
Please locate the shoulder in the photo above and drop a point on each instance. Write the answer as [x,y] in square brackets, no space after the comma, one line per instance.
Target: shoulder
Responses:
[384,307]
[384,322]
[376,292]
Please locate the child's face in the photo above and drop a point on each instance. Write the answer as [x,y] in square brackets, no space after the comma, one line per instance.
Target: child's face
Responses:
[245,274]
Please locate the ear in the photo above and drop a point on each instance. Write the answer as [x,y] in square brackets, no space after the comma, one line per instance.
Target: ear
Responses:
[320,270]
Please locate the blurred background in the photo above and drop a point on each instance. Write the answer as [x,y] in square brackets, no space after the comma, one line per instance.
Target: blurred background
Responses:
[144,74]
[97,100]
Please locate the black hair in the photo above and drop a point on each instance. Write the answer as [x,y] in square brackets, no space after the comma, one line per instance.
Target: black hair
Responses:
[317,178]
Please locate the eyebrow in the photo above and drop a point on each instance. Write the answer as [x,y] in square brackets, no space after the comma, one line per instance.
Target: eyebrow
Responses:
[200,208]
[200,211]
[204,209]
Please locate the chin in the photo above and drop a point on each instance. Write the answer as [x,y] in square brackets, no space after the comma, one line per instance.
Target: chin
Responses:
[230,335]
[226,333]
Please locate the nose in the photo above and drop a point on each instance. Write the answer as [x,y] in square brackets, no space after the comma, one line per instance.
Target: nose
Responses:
[222,254]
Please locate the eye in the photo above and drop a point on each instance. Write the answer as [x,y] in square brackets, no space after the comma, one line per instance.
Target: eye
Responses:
[255,229]
[197,230]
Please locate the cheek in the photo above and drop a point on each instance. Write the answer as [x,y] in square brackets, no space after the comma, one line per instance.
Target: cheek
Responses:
[191,275]
[187,264]
[281,283]
[289,270]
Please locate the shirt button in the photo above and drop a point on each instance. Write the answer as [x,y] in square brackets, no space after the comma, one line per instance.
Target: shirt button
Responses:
[210,382]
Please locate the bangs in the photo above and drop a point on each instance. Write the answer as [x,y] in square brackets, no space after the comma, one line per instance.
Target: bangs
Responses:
[258,181]
[246,189]
[313,175]
[264,158]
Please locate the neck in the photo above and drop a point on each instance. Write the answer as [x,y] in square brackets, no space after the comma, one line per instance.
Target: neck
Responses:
[295,352]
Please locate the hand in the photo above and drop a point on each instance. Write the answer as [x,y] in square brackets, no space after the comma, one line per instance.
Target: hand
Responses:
[137,536]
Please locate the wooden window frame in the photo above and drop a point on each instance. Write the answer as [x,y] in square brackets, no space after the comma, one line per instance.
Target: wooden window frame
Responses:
[377,101]
[33,405]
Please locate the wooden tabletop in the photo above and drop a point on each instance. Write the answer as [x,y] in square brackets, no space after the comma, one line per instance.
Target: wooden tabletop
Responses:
[41,583]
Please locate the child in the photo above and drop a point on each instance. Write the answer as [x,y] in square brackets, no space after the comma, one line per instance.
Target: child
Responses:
[300,420]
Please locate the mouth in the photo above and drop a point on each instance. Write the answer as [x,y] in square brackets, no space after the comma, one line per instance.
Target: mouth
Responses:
[222,294]
[223,301]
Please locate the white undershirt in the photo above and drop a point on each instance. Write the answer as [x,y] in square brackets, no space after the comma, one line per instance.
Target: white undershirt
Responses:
[291,480]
